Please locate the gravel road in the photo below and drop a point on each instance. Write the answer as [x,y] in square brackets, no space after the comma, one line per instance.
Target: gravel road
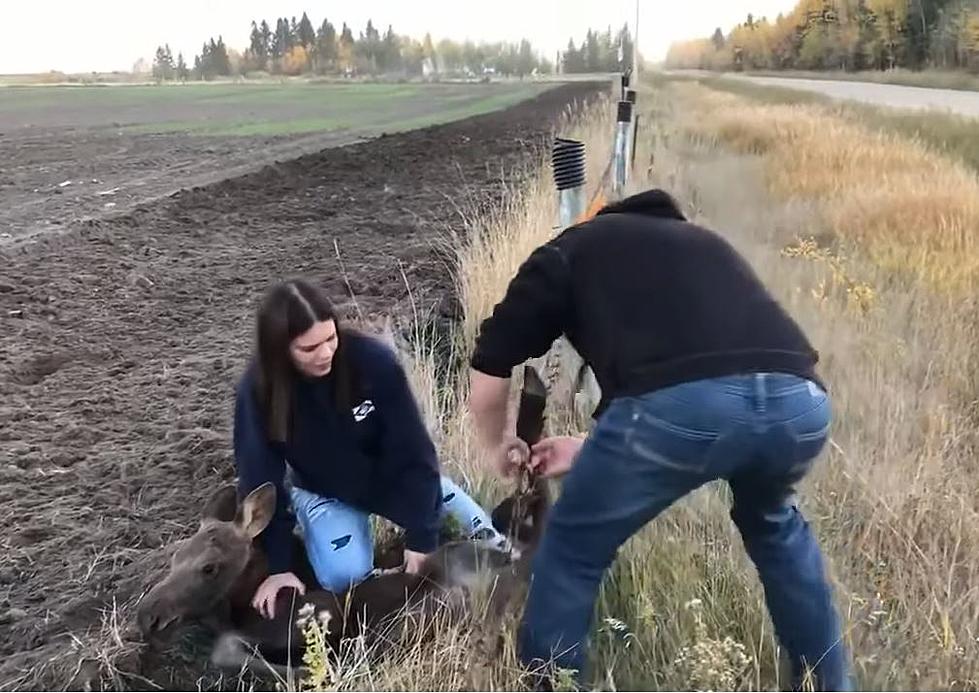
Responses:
[961,102]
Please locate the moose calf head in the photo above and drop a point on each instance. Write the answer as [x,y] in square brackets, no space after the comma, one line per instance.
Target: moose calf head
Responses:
[205,567]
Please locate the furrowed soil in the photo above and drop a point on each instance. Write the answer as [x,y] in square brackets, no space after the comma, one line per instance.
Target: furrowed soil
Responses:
[70,153]
[121,341]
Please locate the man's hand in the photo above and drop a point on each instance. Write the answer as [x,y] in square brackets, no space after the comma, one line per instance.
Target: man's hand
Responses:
[510,457]
[414,561]
[265,595]
[554,456]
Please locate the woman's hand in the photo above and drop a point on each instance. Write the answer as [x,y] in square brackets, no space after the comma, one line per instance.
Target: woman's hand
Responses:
[554,456]
[265,595]
[414,561]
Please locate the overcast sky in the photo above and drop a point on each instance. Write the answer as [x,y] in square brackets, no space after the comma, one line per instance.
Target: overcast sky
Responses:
[104,35]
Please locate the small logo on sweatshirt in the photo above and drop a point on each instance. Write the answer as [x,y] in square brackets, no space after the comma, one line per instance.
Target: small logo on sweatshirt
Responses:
[363,410]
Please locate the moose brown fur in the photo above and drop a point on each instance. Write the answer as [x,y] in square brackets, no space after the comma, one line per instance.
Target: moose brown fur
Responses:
[214,574]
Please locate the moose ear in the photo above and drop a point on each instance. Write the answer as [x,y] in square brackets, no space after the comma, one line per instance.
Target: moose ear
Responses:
[223,504]
[255,512]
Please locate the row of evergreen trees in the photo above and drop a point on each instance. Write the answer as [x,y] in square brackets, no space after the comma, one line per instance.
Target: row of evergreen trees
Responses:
[600,52]
[213,60]
[845,35]
[295,47]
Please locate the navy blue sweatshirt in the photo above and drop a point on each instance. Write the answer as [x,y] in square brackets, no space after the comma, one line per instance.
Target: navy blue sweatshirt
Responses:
[649,300]
[382,460]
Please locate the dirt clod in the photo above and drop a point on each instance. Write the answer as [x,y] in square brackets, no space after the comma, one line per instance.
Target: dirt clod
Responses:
[12,615]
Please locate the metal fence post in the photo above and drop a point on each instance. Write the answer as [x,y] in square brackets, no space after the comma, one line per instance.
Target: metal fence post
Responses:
[568,161]
[623,128]
[631,96]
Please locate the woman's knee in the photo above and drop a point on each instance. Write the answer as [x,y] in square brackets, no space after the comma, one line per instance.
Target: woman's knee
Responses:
[464,508]
[343,562]
[450,488]
[337,538]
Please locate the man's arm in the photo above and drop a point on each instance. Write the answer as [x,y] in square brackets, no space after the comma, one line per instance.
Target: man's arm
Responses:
[532,314]
[488,398]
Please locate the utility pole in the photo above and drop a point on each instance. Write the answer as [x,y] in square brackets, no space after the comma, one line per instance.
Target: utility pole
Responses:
[635,45]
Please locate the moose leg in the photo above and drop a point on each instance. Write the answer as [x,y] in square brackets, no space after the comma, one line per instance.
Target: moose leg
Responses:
[234,652]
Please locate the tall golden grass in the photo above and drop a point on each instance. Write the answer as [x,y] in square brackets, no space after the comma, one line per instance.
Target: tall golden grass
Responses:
[822,206]
[913,210]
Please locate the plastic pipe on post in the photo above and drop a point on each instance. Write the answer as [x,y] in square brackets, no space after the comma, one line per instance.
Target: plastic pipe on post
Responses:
[623,127]
[568,162]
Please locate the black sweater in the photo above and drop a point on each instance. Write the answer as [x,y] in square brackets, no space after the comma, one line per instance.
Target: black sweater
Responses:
[381,460]
[648,300]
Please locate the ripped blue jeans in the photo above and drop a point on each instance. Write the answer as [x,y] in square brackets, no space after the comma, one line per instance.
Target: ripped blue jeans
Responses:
[758,432]
[338,536]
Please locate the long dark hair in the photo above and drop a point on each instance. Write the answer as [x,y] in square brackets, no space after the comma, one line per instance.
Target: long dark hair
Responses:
[287,310]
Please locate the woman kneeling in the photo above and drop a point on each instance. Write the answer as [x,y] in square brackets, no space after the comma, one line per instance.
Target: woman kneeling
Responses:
[335,407]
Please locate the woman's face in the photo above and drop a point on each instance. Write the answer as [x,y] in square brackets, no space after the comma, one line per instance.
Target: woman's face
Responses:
[312,351]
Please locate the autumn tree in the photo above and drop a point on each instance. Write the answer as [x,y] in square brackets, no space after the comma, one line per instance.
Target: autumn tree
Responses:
[473,57]
[183,73]
[718,39]
[412,56]
[368,49]
[295,61]
[281,42]
[258,48]
[526,60]
[164,69]
[345,49]
[969,49]
[325,53]
[428,49]
[843,35]
[625,45]
[449,56]
[305,35]
[391,50]
[213,60]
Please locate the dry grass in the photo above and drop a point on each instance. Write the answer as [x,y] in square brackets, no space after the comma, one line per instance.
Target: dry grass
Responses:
[948,134]
[914,211]
[894,503]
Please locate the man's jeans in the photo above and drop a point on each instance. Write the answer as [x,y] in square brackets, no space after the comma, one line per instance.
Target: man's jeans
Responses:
[759,432]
